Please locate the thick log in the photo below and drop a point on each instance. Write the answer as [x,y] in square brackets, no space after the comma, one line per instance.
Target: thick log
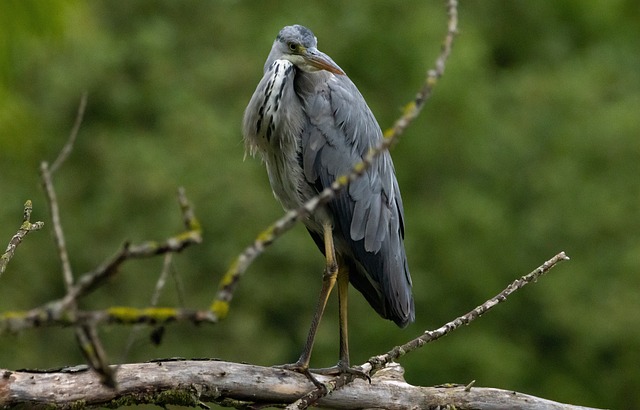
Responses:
[195,382]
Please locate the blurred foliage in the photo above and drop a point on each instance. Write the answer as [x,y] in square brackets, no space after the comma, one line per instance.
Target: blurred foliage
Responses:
[530,146]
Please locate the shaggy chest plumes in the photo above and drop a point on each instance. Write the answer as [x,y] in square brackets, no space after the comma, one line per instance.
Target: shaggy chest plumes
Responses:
[280,74]
[272,131]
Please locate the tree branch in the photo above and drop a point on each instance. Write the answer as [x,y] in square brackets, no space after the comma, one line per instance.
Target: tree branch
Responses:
[61,312]
[193,382]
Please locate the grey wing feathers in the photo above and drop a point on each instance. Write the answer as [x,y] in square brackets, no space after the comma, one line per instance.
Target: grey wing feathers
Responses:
[368,217]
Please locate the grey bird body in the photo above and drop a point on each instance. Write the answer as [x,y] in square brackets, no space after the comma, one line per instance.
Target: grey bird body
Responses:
[310,124]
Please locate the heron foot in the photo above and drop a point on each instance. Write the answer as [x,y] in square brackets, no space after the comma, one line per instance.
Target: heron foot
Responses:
[303,369]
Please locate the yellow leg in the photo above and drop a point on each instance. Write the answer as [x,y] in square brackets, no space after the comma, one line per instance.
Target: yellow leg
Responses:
[343,287]
[332,274]
[328,282]
[344,365]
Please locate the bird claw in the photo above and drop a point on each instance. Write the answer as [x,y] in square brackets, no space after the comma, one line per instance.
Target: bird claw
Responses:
[304,370]
[338,370]
[343,368]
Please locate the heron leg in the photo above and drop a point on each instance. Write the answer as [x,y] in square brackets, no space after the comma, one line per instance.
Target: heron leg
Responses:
[343,366]
[328,282]
[333,273]
[343,288]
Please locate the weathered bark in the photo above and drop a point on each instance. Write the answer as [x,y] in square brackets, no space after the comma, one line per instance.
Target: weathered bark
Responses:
[194,382]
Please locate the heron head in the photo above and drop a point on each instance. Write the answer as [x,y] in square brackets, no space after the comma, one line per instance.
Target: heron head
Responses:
[298,45]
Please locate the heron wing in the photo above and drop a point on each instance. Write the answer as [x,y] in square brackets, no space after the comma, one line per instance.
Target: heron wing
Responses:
[368,215]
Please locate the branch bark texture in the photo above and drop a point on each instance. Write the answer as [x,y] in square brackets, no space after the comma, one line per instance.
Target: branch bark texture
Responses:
[195,382]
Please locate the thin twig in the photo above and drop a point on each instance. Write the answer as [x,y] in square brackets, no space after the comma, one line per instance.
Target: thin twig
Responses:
[378,362]
[68,147]
[160,284]
[94,353]
[191,223]
[46,173]
[229,281]
[317,393]
[58,233]
[162,279]
[26,227]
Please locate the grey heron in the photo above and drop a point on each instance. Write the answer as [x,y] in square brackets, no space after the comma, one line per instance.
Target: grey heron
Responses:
[310,125]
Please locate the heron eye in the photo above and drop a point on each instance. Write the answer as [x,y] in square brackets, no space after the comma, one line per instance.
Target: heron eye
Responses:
[293,46]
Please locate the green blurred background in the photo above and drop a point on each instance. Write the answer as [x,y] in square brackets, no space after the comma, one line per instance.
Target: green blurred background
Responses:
[530,146]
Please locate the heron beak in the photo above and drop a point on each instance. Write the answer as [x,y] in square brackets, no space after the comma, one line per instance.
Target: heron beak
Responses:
[320,61]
